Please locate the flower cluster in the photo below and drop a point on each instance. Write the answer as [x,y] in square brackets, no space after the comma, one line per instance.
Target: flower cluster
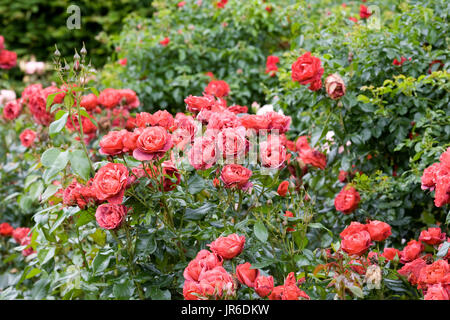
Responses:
[437,178]
[22,236]
[8,59]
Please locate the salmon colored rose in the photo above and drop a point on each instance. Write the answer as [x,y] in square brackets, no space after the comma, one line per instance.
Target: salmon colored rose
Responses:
[216,283]
[89,102]
[192,291]
[263,285]
[163,119]
[20,233]
[235,176]
[356,243]
[378,230]
[390,253]
[411,251]
[27,137]
[204,260]
[218,88]
[437,292]
[196,104]
[432,236]
[354,227]
[12,109]
[272,153]
[110,181]
[313,157]
[110,216]
[347,200]
[202,154]
[231,143]
[152,143]
[246,275]
[112,143]
[109,98]
[228,247]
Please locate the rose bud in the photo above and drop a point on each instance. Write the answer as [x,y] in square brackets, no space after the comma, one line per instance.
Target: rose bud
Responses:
[228,247]
[335,86]
[246,275]
[283,188]
[263,285]
[390,253]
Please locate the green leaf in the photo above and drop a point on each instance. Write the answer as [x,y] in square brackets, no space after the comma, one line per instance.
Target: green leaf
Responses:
[80,164]
[57,125]
[198,213]
[196,184]
[123,291]
[158,294]
[50,99]
[101,261]
[32,273]
[356,291]
[49,156]
[50,191]
[260,231]
[84,218]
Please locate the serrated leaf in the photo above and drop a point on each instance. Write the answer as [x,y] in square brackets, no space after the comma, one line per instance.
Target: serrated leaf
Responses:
[260,231]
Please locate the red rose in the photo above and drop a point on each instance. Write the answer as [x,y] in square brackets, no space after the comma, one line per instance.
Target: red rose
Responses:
[202,154]
[412,270]
[437,292]
[437,272]
[308,70]
[216,283]
[12,109]
[2,43]
[430,176]
[111,143]
[221,3]
[411,251]
[271,65]
[343,176]
[235,176]
[6,229]
[163,119]
[236,109]
[223,120]
[255,122]
[354,227]
[129,98]
[445,158]
[246,275]
[355,20]
[204,260]
[109,98]
[144,119]
[217,88]
[77,194]
[378,230]
[390,253]
[432,236]
[358,266]
[272,153]
[263,285]
[27,137]
[288,291]
[123,61]
[110,181]
[59,98]
[364,12]
[231,143]
[313,157]
[152,143]
[356,243]
[8,59]
[197,104]
[192,290]
[20,233]
[399,63]
[37,106]
[347,200]
[335,86]
[164,42]
[442,194]
[228,247]
[110,216]
[129,141]
[283,188]
[277,293]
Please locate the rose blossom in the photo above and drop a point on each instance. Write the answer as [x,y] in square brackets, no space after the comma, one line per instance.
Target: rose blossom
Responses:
[170,173]
[307,69]
[354,227]
[335,86]
[19,233]
[437,272]
[7,96]
[272,153]
[163,119]
[110,181]
[196,104]
[235,176]
[12,109]
[112,143]
[246,275]
[378,230]
[8,59]
[152,143]
[437,292]
[283,188]
[356,243]
[27,137]
[364,12]
[231,143]
[6,229]
[202,154]
[263,286]
[411,251]
[432,236]
[204,260]
[228,247]
[110,216]
[109,98]
[217,88]
[390,253]
[411,270]
[89,102]
[347,200]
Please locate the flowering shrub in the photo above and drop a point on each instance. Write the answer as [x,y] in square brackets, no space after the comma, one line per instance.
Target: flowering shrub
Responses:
[336,190]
